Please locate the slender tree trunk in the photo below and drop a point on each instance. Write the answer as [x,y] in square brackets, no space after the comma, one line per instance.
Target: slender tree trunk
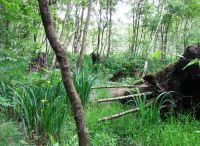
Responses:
[137,32]
[162,41]
[65,71]
[102,36]
[166,36]
[65,21]
[77,27]
[62,31]
[137,25]
[83,46]
[80,32]
[176,36]
[99,31]
[110,28]
[133,35]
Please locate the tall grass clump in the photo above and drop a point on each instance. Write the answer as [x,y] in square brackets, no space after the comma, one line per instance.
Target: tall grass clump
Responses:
[152,113]
[147,115]
[43,111]
[83,82]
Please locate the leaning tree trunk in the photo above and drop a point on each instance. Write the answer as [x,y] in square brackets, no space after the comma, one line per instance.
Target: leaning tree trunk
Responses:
[83,46]
[65,71]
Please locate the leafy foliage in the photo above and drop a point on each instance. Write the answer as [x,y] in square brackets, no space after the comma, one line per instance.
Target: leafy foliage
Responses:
[38,100]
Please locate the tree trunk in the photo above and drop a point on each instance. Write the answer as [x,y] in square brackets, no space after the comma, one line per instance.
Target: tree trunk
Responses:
[83,46]
[62,31]
[99,31]
[102,38]
[110,27]
[136,23]
[65,72]
[138,17]
[80,32]
[133,25]
[162,41]
[77,27]
[165,41]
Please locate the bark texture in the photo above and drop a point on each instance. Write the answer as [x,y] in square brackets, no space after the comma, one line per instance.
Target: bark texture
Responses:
[65,71]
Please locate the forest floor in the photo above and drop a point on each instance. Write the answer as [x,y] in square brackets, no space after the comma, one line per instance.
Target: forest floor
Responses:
[138,129]
[143,128]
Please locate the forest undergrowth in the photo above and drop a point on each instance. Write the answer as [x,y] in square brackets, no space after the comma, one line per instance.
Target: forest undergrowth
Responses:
[34,109]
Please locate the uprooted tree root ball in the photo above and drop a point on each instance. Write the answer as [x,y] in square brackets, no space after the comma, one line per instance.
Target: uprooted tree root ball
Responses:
[181,79]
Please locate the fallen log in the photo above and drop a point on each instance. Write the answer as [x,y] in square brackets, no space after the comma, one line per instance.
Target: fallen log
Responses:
[116,86]
[125,112]
[124,97]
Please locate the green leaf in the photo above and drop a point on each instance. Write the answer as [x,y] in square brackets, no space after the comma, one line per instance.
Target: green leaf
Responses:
[156,54]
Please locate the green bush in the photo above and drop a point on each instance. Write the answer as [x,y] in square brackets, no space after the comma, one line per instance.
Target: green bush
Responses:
[126,61]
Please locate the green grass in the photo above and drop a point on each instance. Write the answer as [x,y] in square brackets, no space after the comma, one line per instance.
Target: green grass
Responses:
[132,130]
[9,133]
